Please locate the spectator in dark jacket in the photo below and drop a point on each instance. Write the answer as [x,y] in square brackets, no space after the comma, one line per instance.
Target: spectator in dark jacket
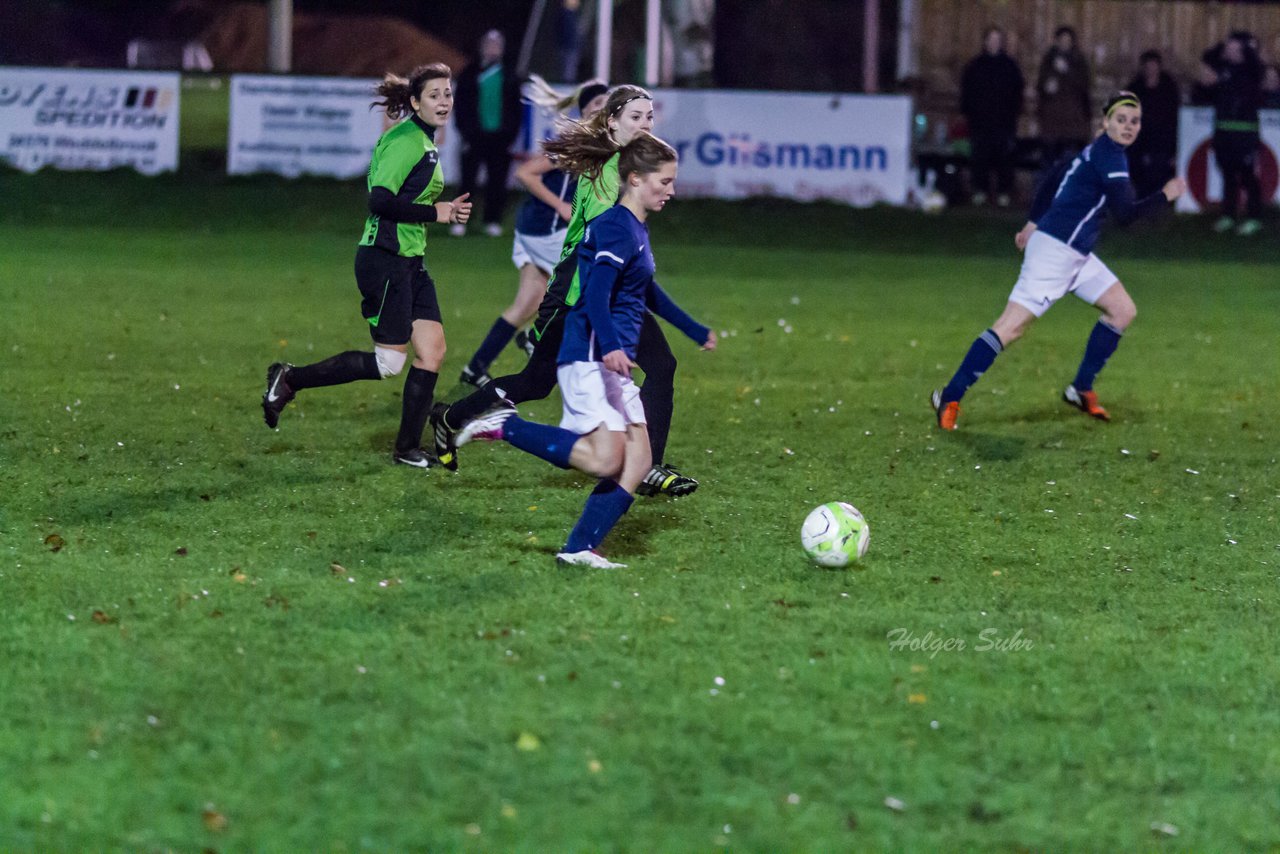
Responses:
[1151,157]
[991,100]
[488,112]
[1232,73]
[1063,98]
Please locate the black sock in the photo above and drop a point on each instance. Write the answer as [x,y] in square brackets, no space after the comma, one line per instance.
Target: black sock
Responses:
[343,368]
[419,391]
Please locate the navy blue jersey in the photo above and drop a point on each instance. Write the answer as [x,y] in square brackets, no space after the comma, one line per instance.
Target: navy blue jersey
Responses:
[536,218]
[1069,204]
[616,267]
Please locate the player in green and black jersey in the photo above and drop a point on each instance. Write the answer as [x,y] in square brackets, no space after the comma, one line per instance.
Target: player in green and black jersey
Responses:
[589,150]
[398,296]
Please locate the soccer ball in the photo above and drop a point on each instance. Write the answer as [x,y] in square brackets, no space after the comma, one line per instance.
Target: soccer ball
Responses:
[933,202]
[835,534]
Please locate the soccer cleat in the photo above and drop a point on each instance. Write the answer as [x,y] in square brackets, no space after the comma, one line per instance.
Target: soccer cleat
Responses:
[487,427]
[278,393]
[525,342]
[665,480]
[1224,224]
[1086,402]
[442,438]
[587,557]
[415,457]
[948,413]
[479,379]
[1248,228]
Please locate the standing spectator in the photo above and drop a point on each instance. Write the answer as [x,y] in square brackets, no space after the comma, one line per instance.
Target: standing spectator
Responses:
[1063,98]
[991,100]
[488,115]
[1151,157]
[1232,72]
[569,38]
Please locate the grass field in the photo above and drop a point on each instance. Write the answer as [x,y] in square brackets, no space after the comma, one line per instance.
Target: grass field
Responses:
[222,637]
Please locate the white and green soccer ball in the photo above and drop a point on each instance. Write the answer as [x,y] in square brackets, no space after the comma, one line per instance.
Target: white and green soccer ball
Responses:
[835,534]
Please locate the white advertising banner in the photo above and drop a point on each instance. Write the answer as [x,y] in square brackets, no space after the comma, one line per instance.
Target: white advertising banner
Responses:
[1197,165]
[849,148]
[302,125]
[89,120]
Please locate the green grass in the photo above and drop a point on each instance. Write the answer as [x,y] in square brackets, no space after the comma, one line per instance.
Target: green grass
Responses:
[186,667]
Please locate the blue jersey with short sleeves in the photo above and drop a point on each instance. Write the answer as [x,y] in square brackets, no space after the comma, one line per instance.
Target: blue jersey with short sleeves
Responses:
[615,266]
[1071,203]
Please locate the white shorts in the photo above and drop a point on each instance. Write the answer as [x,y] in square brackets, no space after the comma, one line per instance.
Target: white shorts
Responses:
[594,395]
[1051,269]
[542,251]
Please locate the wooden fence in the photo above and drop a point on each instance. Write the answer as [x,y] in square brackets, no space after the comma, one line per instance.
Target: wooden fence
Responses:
[1112,34]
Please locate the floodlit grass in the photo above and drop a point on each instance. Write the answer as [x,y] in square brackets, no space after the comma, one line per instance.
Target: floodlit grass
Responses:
[220,636]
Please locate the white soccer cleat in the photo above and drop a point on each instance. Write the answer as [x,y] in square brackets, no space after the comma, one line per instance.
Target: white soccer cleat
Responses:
[487,427]
[589,558]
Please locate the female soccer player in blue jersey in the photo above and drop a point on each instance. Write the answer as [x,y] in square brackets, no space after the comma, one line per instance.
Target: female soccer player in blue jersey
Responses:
[398,296]
[603,431]
[1058,239]
[590,150]
[541,226]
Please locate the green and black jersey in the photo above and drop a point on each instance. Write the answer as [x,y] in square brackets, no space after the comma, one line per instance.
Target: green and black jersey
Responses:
[591,199]
[406,163]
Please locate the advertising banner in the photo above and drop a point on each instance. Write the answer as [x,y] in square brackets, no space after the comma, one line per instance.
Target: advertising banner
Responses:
[1197,165]
[302,125]
[89,120]
[849,148]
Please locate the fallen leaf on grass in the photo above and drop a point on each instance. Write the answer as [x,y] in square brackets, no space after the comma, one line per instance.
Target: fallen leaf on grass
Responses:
[213,820]
[55,542]
[181,552]
[103,618]
[528,742]
[917,699]
[337,569]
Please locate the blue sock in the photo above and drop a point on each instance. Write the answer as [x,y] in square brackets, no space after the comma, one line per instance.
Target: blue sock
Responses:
[552,444]
[605,506]
[981,355]
[1103,341]
[499,336]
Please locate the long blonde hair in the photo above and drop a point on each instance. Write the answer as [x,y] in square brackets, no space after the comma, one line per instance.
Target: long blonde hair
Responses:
[551,101]
[583,148]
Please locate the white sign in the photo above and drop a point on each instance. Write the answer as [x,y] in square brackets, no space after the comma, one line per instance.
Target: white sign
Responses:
[89,119]
[849,148]
[302,125]
[1199,168]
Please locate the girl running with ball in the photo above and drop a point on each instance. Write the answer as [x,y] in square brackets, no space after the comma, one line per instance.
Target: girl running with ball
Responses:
[602,431]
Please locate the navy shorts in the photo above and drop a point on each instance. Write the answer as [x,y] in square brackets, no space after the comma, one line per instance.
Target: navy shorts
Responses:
[395,291]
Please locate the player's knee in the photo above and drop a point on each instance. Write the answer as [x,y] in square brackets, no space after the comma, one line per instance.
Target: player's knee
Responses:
[1122,315]
[430,358]
[390,362]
